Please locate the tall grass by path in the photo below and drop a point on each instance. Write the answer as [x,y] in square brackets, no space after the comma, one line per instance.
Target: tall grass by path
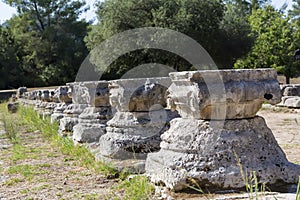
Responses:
[136,188]
[49,131]
[11,123]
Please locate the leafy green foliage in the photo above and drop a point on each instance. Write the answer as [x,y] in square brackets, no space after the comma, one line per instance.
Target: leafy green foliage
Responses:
[196,18]
[43,42]
[275,42]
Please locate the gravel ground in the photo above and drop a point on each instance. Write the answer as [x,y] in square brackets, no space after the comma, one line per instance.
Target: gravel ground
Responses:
[48,174]
[45,173]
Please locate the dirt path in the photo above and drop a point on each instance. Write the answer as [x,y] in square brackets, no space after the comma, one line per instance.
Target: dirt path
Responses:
[36,170]
[285,125]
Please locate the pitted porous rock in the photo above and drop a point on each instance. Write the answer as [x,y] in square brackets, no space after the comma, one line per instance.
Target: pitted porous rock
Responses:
[92,121]
[193,150]
[223,94]
[138,95]
[140,119]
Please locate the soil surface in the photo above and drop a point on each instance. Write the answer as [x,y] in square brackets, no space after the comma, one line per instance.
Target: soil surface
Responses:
[37,170]
[48,174]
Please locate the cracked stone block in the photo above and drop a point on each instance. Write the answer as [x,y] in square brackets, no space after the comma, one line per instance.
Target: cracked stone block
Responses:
[223,94]
[218,158]
[58,112]
[70,118]
[92,121]
[60,94]
[92,124]
[290,102]
[218,150]
[138,95]
[84,95]
[140,119]
[290,90]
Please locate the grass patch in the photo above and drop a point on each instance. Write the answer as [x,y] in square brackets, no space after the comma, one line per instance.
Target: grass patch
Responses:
[13,181]
[135,188]
[48,131]
[11,124]
[28,171]
[19,153]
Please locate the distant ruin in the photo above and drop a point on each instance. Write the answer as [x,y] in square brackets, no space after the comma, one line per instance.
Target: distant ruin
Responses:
[199,125]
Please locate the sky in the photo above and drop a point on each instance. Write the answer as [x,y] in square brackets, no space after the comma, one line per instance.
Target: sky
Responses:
[7,12]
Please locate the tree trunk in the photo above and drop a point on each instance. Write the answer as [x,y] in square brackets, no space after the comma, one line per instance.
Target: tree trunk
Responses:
[287,79]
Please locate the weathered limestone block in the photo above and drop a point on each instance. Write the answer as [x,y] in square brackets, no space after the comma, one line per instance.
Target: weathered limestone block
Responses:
[28,98]
[21,91]
[70,118]
[58,112]
[12,105]
[291,90]
[194,150]
[224,94]
[132,135]
[92,124]
[138,95]
[71,113]
[291,96]
[60,94]
[92,121]
[42,97]
[290,102]
[83,94]
[139,121]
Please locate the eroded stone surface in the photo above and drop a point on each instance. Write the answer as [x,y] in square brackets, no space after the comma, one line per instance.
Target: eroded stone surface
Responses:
[91,124]
[291,90]
[193,150]
[70,118]
[92,121]
[138,95]
[135,129]
[21,92]
[223,94]
[290,102]
[291,96]
[58,112]
[132,135]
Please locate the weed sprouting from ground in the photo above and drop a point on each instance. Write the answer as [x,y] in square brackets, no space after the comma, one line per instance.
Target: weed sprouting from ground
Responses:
[30,121]
[49,131]
[252,185]
[136,188]
[11,124]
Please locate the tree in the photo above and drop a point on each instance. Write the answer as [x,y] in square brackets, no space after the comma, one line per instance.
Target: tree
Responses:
[295,12]
[50,39]
[274,44]
[196,18]
[9,66]
[236,29]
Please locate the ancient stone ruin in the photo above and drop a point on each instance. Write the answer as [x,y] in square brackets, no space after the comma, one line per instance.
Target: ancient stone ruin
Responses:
[192,127]
[290,96]
[61,95]
[217,150]
[138,122]
[92,121]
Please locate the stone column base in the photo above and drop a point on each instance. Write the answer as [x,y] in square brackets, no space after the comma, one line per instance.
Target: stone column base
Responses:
[92,124]
[216,158]
[70,118]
